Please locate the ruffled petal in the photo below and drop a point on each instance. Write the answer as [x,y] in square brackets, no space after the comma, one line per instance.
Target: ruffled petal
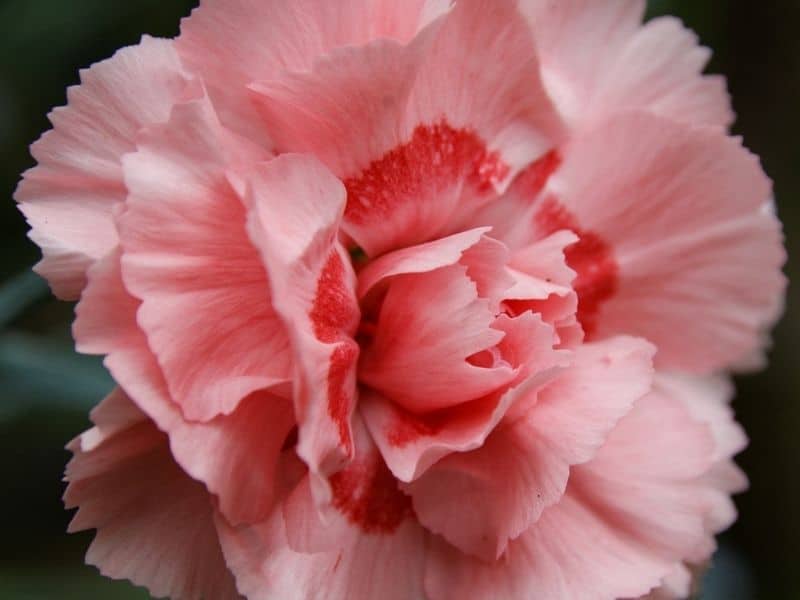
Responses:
[626,520]
[297,555]
[69,197]
[155,525]
[233,43]
[234,455]
[543,284]
[597,60]
[294,209]
[428,328]
[206,308]
[421,134]
[423,258]
[679,241]
[480,500]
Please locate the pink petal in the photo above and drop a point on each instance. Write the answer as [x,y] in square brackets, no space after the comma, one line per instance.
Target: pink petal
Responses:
[679,243]
[597,60]
[205,295]
[113,415]
[509,215]
[480,500]
[417,358]
[68,198]
[661,70]
[627,518]
[543,284]
[423,258]
[707,400]
[367,546]
[678,584]
[294,209]
[421,134]
[410,443]
[155,525]
[234,455]
[232,43]
[389,567]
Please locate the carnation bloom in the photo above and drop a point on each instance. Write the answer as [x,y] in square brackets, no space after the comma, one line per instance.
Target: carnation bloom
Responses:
[408,300]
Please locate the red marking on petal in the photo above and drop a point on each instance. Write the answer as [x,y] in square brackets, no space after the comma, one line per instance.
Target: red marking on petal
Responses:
[436,157]
[334,311]
[532,180]
[367,493]
[334,315]
[341,388]
[591,257]
[408,427]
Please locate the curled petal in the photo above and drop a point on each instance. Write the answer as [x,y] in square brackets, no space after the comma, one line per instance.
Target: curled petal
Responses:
[231,43]
[294,207]
[155,525]
[106,324]
[679,242]
[421,134]
[205,294]
[480,500]
[69,197]
[597,60]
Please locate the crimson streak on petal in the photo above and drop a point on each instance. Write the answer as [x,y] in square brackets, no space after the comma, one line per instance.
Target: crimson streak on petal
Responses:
[332,314]
[591,257]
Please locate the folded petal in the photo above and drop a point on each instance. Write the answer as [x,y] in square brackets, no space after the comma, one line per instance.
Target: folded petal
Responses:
[679,242]
[544,285]
[155,525]
[421,134]
[234,455]
[267,568]
[294,209]
[297,555]
[626,520]
[429,326]
[423,258]
[232,43]
[411,443]
[707,400]
[68,198]
[206,307]
[598,59]
[480,500]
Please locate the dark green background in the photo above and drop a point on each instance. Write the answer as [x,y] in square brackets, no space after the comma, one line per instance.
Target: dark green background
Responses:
[45,389]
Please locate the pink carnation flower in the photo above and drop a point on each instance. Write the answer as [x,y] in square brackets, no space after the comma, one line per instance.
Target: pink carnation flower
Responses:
[408,300]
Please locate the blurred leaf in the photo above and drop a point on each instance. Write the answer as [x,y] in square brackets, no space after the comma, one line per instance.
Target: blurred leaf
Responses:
[39,372]
[63,584]
[18,293]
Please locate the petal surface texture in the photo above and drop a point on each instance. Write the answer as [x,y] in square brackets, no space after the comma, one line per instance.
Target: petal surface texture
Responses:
[68,198]
[155,525]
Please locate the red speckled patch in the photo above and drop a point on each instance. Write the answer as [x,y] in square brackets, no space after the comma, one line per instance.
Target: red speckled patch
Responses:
[334,312]
[333,315]
[341,383]
[366,493]
[436,157]
[591,257]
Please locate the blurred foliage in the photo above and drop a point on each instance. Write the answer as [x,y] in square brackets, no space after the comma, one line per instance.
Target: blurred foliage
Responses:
[47,389]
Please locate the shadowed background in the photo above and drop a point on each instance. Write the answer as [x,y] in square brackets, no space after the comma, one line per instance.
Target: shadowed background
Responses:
[46,389]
